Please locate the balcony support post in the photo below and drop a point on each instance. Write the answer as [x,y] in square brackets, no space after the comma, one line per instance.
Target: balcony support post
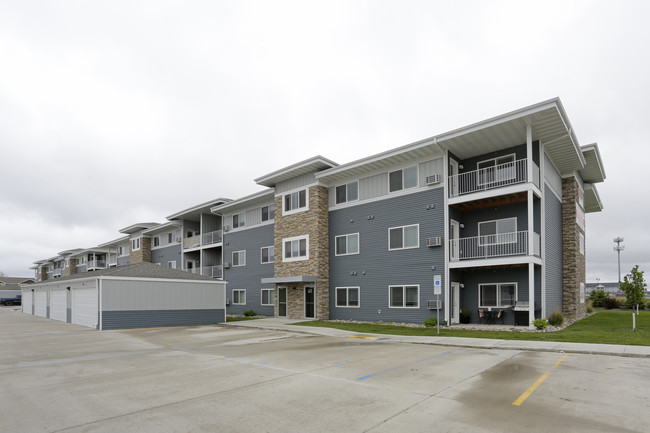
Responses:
[529,153]
[531,295]
[531,223]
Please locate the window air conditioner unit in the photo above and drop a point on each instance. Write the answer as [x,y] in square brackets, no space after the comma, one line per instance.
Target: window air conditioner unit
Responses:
[227,302]
[434,305]
[226,265]
[433,179]
[178,239]
[226,228]
[434,242]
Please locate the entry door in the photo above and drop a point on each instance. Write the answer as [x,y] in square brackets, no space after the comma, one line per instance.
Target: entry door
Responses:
[454,233]
[455,302]
[282,302]
[453,177]
[309,302]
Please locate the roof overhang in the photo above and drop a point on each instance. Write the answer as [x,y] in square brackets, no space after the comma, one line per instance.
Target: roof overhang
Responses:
[134,228]
[195,212]
[380,161]
[70,252]
[161,228]
[115,242]
[260,198]
[288,280]
[594,170]
[317,163]
[592,199]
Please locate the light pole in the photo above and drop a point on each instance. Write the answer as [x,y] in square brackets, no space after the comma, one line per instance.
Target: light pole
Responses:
[618,248]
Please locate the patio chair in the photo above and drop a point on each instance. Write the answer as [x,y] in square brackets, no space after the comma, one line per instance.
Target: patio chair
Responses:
[481,316]
[500,316]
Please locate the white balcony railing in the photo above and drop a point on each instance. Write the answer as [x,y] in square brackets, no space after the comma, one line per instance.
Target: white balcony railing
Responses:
[499,245]
[96,264]
[212,271]
[488,178]
[212,238]
[194,241]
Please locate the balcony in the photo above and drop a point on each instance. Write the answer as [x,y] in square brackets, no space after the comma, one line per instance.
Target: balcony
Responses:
[212,271]
[493,246]
[210,238]
[498,176]
[96,264]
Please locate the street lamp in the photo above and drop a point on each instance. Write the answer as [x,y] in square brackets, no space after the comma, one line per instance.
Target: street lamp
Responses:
[618,248]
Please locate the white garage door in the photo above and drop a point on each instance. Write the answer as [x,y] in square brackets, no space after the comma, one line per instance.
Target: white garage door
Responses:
[59,305]
[40,303]
[27,302]
[84,307]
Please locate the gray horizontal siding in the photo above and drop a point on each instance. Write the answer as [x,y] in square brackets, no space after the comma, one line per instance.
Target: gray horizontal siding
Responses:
[159,318]
[471,219]
[376,268]
[553,252]
[123,260]
[249,277]
[167,254]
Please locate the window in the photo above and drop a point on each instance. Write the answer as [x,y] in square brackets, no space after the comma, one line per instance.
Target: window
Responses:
[156,241]
[239,297]
[347,192]
[496,170]
[268,254]
[582,244]
[400,238]
[268,212]
[171,264]
[170,238]
[497,295]
[347,297]
[268,297]
[239,258]
[295,248]
[403,179]
[347,244]
[81,261]
[135,244]
[295,200]
[238,220]
[503,231]
[404,296]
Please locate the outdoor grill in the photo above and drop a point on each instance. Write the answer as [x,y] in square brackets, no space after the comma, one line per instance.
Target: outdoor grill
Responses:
[521,313]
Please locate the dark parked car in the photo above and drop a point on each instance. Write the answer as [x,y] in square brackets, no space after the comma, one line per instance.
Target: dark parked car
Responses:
[11,301]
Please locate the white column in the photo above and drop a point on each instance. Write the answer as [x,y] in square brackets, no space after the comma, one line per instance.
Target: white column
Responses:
[531,223]
[529,153]
[531,295]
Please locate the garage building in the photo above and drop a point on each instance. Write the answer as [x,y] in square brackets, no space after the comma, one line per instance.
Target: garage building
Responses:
[142,295]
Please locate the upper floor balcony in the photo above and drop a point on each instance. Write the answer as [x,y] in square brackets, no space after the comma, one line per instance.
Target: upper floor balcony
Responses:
[96,264]
[210,238]
[492,177]
[208,271]
[494,246]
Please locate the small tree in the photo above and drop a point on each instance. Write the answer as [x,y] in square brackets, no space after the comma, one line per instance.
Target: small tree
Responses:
[634,286]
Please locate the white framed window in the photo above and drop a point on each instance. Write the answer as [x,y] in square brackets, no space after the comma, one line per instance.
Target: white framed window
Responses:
[170,238]
[347,244]
[497,294]
[403,179]
[135,244]
[499,169]
[268,212]
[401,238]
[404,296]
[267,254]
[238,220]
[239,296]
[295,201]
[296,248]
[347,192]
[347,297]
[156,241]
[81,261]
[503,231]
[239,258]
[171,264]
[582,244]
[122,251]
[268,297]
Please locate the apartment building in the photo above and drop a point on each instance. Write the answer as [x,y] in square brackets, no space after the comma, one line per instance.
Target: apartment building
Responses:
[492,215]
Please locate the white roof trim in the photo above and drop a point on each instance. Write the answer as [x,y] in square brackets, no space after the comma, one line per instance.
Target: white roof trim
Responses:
[240,202]
[311,164]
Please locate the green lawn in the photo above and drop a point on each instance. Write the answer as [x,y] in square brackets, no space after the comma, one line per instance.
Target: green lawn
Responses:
[609,327]
[240,318]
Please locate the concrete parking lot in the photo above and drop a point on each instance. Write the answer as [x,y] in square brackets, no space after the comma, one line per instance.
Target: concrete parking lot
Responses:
[57,377]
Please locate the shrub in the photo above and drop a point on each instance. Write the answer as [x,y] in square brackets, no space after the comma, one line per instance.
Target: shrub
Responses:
[465,315]
[589,309]
[556,319]
[540,323]
[597,297]
[430,322]
[249,313]
[611,303]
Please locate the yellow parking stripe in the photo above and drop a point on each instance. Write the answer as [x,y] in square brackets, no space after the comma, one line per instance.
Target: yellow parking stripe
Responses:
[362,336]
[537,383]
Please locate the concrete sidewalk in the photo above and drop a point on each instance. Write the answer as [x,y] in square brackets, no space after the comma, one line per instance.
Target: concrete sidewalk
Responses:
[480,343]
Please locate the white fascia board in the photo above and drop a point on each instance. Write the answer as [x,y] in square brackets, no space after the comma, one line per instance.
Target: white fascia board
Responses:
[200,207]
[162,227]
[315,162]
[168,280]
[115,242]
[593,148]
[59,282]
[243,202]
[137,227]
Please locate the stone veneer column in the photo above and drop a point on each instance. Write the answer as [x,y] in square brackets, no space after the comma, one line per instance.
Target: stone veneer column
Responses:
[315,223]
[71,269]
[43,275]
[143,254]
[573,261]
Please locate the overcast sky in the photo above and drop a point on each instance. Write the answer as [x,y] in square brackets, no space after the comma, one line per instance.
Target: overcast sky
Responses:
[118,112]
